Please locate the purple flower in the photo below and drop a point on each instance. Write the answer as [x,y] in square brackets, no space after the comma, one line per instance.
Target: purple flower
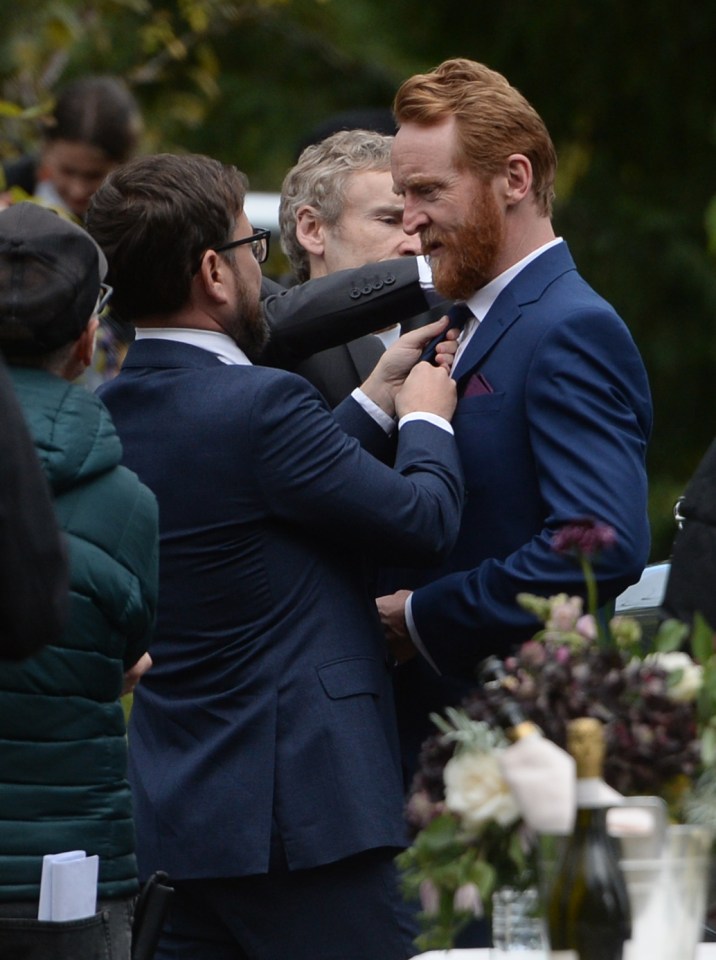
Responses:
[586,537]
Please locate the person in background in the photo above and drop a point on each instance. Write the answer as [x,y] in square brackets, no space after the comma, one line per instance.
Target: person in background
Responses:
[95,126]
[554,409]
[33,561]
[337,211]
[263,749]
[63,753]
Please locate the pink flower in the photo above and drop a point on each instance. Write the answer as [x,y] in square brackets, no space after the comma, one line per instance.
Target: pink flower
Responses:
[564,613]
[586,536]
[429,898]
[562,655]
[421,809]
[467,899]
[587,627]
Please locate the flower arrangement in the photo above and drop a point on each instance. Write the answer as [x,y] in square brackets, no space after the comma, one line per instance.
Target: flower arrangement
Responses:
[658,705]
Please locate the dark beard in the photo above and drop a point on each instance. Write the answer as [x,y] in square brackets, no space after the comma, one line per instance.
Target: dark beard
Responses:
[248,327]
[470,252]
[253,332]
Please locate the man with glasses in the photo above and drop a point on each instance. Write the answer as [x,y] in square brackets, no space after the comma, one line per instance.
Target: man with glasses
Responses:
[263,748]
[63,755]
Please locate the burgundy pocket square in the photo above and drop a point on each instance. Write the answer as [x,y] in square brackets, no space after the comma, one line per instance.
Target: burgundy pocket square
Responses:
[477,385]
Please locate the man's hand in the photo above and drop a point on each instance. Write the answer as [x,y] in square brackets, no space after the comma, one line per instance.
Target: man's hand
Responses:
[391,610]
[427,389]
[400,358]
[135,673]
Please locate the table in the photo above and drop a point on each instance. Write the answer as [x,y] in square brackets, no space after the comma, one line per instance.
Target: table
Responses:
[704,951]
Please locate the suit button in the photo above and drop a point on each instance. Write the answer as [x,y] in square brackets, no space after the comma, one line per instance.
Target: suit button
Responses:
[389,279]
[355,293]
[367,289]
[377,284]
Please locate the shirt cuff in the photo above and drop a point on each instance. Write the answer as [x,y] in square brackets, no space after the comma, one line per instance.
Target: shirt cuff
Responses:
[374,411]
[425,274]
[430,417]
[415,636]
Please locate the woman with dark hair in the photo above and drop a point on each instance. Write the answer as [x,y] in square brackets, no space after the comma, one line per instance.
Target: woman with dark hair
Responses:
[94,127]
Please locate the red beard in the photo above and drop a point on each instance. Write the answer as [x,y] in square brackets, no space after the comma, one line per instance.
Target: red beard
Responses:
[470,251]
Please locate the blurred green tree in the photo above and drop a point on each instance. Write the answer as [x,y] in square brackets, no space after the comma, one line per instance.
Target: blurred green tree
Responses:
[627,91]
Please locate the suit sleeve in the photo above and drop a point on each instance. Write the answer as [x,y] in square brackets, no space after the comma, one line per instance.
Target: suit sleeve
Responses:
[33,564]
[313,475]
[138,553]
[332,310]
[588,420]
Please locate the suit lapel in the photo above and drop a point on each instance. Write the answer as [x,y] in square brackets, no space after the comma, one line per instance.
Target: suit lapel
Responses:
[500,318]
[365,353]
[527,287]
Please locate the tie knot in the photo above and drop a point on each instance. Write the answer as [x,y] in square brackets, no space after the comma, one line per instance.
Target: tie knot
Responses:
[459,313]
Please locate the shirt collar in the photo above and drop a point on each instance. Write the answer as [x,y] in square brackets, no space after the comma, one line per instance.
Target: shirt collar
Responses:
[213,341]
[481,301]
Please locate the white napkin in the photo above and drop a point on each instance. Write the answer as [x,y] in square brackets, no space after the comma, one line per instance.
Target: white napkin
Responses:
[542,778]
[68,887]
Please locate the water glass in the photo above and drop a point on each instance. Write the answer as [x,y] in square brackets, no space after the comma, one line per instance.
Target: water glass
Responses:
[668,896]
[518,929]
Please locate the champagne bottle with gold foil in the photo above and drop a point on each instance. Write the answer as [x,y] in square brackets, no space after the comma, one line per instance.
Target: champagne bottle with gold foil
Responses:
[588,913]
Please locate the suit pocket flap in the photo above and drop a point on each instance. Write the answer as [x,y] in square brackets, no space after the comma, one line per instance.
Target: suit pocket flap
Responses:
[350,678]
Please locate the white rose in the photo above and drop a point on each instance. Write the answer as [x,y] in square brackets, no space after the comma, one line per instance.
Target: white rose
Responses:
[476,791]
[687,687]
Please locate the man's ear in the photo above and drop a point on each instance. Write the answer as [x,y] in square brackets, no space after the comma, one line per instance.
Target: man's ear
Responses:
[83,350]
[310,230]
[518,178]
[80,356]
[211,276]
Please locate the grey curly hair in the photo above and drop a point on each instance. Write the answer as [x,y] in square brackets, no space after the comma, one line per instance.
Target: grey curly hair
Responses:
[319,180]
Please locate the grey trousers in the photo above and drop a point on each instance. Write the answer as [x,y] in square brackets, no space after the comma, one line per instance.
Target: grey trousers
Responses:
[105,936]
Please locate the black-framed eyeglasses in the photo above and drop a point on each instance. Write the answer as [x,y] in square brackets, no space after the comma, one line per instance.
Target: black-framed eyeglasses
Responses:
[259,241]
[105,295]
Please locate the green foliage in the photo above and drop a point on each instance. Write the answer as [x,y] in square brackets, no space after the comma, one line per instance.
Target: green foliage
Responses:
[626,91]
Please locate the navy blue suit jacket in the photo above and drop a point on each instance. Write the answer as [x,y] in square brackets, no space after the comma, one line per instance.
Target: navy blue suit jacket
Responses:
[552,424]
[270,697]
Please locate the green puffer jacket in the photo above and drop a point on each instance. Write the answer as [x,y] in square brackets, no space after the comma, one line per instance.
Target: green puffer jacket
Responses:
[63,756]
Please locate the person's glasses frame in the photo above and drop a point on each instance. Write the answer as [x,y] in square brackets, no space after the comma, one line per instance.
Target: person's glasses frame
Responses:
[259,241]
[105,295]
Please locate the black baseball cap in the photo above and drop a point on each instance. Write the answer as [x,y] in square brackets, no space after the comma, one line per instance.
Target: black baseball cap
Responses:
[50,274]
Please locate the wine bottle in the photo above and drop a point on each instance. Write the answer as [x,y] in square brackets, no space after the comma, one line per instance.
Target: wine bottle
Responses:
[508,714]
[588,914]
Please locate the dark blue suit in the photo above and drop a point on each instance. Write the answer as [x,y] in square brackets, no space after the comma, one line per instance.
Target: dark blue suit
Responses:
[268,715]
[552,424]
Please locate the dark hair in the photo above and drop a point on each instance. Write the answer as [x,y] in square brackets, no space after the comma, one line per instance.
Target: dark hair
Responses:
[99,111]
[154,217]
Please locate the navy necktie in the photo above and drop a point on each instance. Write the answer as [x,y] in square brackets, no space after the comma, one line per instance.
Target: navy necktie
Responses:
[459,313]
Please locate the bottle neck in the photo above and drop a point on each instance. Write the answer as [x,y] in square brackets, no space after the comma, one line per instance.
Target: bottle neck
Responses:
[513,721]
[523,730]
[588,790]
